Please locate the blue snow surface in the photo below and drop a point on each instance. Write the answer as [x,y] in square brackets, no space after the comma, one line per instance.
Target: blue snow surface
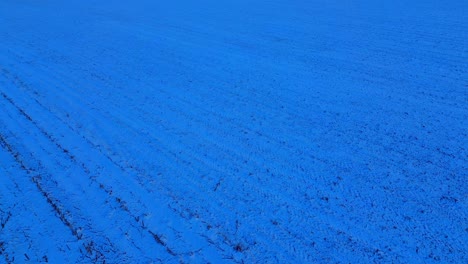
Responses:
[233,131]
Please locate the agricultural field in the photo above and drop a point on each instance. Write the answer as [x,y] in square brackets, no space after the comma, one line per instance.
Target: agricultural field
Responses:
[262,131]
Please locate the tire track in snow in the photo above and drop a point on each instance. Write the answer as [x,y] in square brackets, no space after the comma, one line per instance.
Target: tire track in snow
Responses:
[123,205]
[36,179]
[89,245]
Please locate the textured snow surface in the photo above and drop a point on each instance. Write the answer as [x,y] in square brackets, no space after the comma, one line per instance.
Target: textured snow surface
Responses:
[263,131]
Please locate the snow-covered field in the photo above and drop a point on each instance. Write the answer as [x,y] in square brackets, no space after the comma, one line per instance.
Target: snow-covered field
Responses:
[233,131]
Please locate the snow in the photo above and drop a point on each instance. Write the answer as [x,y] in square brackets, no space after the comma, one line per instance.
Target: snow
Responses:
[233,131]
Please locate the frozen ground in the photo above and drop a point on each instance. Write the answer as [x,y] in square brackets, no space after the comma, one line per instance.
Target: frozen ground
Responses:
[277,131]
